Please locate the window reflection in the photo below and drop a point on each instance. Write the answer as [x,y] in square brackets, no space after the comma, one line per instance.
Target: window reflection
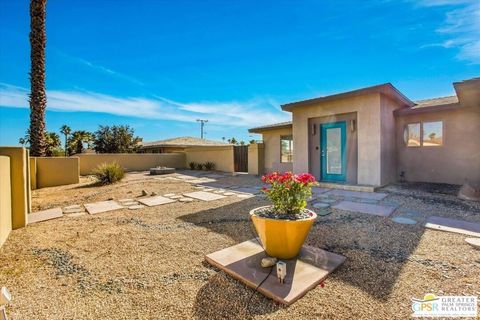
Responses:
[412,135]
[286,149]
[432,133]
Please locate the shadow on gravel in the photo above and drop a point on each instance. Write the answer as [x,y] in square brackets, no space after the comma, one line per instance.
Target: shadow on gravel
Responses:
[375,247]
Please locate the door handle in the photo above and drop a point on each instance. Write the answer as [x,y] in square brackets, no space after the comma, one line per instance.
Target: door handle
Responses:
[323,153]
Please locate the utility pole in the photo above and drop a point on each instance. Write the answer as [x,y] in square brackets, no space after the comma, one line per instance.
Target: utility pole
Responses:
[202,124]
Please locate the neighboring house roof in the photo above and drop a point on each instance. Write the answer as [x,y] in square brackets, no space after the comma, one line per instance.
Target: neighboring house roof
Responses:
[280,125]
[435,102]
[182,142]
[387,89]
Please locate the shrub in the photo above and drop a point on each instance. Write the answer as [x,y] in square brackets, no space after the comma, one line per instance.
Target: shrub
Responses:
[288,192]
[199,166]
[209,166]
[109,172]
[192,165]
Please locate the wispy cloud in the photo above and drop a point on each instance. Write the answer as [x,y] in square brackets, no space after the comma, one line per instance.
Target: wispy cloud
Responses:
[97,67]
[461,27]
[238,114]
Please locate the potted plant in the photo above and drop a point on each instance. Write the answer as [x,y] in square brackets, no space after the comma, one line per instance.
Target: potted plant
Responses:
[284,225]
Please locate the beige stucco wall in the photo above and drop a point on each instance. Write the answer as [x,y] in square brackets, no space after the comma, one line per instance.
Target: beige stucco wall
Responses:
[271,141]
[456,161]
[221,156]
[367,108]
[131,161]
[19,178]
[256,158]
[388,141]
[5,199]
[33,173]
[56,171]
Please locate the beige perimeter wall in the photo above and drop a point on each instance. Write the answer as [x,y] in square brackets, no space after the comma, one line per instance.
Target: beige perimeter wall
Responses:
[256,158]
[131,161]
[271,141]
[456,161]
[54,171]
[20,184]
[5,199]
[221,156]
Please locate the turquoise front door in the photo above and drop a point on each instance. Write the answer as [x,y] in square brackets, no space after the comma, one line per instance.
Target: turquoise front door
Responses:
[333,155]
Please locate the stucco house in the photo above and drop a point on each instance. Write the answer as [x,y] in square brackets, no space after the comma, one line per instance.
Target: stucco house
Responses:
[178,144]
[376,135]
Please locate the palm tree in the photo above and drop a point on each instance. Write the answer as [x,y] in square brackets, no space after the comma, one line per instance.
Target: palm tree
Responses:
[53,143]
[66,130]
[38,98]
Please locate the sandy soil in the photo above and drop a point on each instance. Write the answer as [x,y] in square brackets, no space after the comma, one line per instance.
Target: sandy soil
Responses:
[148,264]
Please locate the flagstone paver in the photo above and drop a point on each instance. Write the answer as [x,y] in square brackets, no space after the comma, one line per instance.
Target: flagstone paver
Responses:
[403,220]
[357,194]
[155,201]
[45,215]
[319,205]
[452,225]
[368,208]
[474,242]
[168,195]
[73,209]
[204,196]
[185,199]
[319,190]
[136,207]
[102,206]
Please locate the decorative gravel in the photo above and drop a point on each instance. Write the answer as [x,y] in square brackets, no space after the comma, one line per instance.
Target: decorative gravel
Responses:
[149,263]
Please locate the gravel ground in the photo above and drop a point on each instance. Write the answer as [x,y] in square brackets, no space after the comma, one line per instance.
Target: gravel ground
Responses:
[148,263]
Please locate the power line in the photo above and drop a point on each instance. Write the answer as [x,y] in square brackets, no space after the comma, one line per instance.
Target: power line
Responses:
[202,124]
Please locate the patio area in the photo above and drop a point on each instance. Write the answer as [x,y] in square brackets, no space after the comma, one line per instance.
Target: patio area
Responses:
[148,262]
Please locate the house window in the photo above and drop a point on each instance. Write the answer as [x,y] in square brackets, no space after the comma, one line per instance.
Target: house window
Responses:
[432,134]
[426,134]
[286,148]
[412,135]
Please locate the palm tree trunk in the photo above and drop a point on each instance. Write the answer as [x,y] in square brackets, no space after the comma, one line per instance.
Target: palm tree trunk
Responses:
[38,98]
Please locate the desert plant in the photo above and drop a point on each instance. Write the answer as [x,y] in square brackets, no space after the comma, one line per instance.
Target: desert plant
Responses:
[199,166]
[192,165]
[109,172]
[209,166]
[288,192]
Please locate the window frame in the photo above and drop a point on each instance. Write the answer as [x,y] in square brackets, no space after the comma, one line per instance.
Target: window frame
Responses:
[443,133]
[405,141]
[421,123]
[290,138]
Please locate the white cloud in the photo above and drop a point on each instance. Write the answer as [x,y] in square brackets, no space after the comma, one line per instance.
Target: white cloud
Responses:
[461,27]
[239,114]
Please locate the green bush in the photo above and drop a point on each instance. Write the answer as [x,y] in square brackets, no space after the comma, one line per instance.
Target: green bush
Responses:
[109,172]
[192,165]
[199,166]
[209,166]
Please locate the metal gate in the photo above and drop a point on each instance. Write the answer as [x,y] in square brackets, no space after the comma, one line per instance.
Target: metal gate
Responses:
[240,158]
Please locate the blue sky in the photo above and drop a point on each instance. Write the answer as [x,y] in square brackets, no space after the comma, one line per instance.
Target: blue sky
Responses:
[160,65]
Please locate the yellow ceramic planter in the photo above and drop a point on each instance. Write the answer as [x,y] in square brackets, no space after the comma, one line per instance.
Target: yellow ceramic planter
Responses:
[282,239]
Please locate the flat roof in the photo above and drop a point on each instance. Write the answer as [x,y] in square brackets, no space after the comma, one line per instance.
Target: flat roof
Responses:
[387,89]
[279,125]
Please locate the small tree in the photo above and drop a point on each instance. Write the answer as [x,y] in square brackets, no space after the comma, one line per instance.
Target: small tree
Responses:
[53,144]
[65,130]
[77,139]
[116,139]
